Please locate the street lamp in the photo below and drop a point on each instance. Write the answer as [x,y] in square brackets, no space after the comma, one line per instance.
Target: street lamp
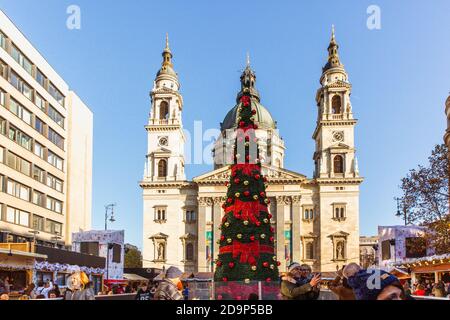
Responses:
[399,214]
[111,219]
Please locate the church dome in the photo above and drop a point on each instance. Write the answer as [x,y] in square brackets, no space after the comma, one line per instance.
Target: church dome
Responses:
[166,70]
[263,118]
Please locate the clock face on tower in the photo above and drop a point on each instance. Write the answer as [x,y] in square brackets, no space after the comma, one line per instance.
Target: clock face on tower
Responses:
[163,142]
[338,136]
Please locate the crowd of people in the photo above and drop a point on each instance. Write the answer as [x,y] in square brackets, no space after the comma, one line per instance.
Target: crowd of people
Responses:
[428,288]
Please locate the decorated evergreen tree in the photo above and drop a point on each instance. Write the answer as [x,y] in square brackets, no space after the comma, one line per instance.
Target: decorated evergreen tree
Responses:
[247,238]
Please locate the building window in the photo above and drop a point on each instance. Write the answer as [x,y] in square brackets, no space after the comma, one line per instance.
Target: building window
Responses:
[54,205]
[53,227]
[2,126]
[116,253]
[55,138]
[40,77]
[20,111]
[339,212]
[54,183]
[3,69]
[336,105]
[338,164]
[18,190]
[190,252]
[20,85]
[39,150]
[90,248]
[40,102]
[386,250]
[54,160]
[2,41]
[20,137]
[416,247]
[190,216]
[2,98]
[162,168]
[56,116]
[21,59]
[39,125]
[55,93]
[38,223]
[160,214]
[308,214]
[309,250]
[38,198]
[38,174]
[18,163]
[2,155]
[164,110]
[17,216]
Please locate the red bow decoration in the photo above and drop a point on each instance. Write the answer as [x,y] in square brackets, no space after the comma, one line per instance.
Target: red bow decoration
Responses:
[245,100]
[246,168]
[246,210]
[247,252]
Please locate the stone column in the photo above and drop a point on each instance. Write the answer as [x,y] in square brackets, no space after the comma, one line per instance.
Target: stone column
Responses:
[296,218]
[202,264]
[280,233]
[217,219]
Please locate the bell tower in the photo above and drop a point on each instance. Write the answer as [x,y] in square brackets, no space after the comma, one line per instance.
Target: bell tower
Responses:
[334,155]
[166,140]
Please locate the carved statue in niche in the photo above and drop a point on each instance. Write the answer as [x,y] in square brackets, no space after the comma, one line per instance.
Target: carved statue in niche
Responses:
[161,251]
[340,250]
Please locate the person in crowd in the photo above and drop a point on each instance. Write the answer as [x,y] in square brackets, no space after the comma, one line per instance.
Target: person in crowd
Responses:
[4,296]
[304,277]
[7,284]
[30,291]
[40,297]
[52,294]
[44,288]
[439,290]
[88,291]
[68,294]
[420,291]
[168,287]
[362,282]
[186,292]
[144,292]
[57,291]
[407,289]
[291,289]
[339,286]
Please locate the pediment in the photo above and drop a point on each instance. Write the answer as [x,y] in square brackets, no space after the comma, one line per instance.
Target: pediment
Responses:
[340,145]
[273,174]
[339,234]
[161,150]
[159,235]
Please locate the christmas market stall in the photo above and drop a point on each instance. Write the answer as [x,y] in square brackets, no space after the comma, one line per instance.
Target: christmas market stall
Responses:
[433,268]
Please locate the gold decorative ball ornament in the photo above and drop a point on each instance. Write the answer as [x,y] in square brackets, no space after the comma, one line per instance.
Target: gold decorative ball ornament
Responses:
[266,220]
[266,201]
[237,194]
[253,268]
[238,155]
[229,240]
[255,197]
[263,236]
[245,222]
[227,224]
[246,183]
[247,281]
[246,144]
[274,258]
[272,266]
[239,236]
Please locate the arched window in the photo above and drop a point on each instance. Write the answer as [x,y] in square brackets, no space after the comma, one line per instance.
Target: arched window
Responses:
[190,252]
[336,105]
[309,251]
[164,110]
[338,164]
[162,168]
[311,214]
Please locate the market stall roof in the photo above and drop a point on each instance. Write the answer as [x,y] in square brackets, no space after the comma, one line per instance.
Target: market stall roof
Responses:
[133,277]
[23,254]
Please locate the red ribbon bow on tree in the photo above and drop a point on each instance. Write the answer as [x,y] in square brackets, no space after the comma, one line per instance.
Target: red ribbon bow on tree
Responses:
[245,100]
[248,251]
[246,168]
[246,210]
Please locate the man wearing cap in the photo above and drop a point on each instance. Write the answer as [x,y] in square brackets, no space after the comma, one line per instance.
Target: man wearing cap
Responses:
[168,287]
[291,290]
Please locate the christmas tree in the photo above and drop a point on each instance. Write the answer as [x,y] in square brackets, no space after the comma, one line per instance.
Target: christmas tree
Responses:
[247,238]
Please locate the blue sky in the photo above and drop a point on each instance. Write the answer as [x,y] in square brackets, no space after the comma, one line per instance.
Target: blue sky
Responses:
[400,77]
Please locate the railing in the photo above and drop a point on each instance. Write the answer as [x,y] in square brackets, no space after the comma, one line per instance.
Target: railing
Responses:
[337,116]
[26,247]
[163,121]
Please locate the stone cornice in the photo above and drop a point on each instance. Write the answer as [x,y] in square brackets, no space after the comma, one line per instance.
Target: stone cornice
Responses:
[167,184]
[331,181]
[162,127]
[327,123]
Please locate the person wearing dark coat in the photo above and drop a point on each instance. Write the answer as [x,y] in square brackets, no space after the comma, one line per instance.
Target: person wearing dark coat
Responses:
[295,287]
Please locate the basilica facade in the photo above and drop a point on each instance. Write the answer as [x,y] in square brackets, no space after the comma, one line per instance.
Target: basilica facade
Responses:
[316,219]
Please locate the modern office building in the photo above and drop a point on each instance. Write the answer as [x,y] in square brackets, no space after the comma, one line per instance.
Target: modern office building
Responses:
[45,147]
